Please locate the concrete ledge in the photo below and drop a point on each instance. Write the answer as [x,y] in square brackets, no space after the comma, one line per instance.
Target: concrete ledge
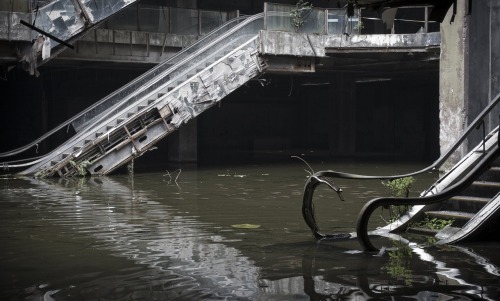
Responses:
[300,44]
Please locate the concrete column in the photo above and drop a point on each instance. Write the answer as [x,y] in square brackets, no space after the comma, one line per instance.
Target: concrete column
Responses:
[183,144]
[453,76]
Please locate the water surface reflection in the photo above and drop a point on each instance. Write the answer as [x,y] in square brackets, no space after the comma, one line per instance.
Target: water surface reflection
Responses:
[149,237]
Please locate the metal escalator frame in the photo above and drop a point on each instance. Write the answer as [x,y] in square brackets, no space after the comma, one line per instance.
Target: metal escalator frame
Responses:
[452,190]
[161,114]
[239,29]
[205,39]
[179,61]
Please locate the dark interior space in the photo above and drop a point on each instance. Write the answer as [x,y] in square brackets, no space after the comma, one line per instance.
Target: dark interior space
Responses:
[270,118]
[284,115]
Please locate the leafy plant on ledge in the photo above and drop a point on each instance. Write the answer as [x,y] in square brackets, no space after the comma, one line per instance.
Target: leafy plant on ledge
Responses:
[298,13]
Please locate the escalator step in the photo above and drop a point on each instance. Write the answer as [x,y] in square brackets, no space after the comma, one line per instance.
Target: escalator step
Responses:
[421,230]
[120,120]
[466,198]
[487,184]
[456,215]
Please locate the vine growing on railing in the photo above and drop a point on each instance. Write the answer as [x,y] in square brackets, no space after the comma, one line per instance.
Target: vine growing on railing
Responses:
[299,12]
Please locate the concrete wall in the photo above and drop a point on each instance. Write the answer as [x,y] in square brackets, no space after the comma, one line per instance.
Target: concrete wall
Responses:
[453,79]
[469,69]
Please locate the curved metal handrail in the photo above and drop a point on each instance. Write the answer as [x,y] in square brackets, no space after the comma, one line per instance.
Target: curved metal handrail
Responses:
[463,183]
[308,208]
[207,38]
[473,125]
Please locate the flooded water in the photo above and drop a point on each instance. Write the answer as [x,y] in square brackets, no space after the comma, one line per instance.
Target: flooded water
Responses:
[229,233]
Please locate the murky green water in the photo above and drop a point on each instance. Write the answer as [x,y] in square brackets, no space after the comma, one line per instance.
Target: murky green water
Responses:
[173,237]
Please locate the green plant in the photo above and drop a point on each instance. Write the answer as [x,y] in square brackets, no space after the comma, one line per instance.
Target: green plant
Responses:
[400,187]
[81,167]
[434,223]
[297,14]
[359,25]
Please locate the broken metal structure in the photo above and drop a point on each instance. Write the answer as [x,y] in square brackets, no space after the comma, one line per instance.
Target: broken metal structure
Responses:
[130,121]
[54,25]
[468,194]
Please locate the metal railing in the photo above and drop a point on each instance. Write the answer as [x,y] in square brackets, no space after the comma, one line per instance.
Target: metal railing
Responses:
[411,19]
[307,19]
[63,19]
[293,18]
[162,19]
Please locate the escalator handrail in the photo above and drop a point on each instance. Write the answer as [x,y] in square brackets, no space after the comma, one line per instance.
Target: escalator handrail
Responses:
[206,38]
[473,125]
[463,183]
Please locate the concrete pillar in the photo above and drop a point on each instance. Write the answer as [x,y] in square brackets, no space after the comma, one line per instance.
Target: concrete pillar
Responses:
[453,76]
[469,70]
[183,144]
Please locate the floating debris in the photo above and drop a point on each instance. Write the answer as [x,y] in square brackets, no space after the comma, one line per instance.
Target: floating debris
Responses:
[245,226]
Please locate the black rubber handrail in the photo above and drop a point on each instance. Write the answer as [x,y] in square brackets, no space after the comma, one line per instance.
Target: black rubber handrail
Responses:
[308,208]
[473,125]
[369,207]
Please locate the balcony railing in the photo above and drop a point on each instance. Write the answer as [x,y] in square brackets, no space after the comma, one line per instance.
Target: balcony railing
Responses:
[160,19]
[301,19]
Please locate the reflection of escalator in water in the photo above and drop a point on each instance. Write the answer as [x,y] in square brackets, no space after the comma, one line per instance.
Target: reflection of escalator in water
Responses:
[407,272]
[172,255]
[131,120]
[466,198]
